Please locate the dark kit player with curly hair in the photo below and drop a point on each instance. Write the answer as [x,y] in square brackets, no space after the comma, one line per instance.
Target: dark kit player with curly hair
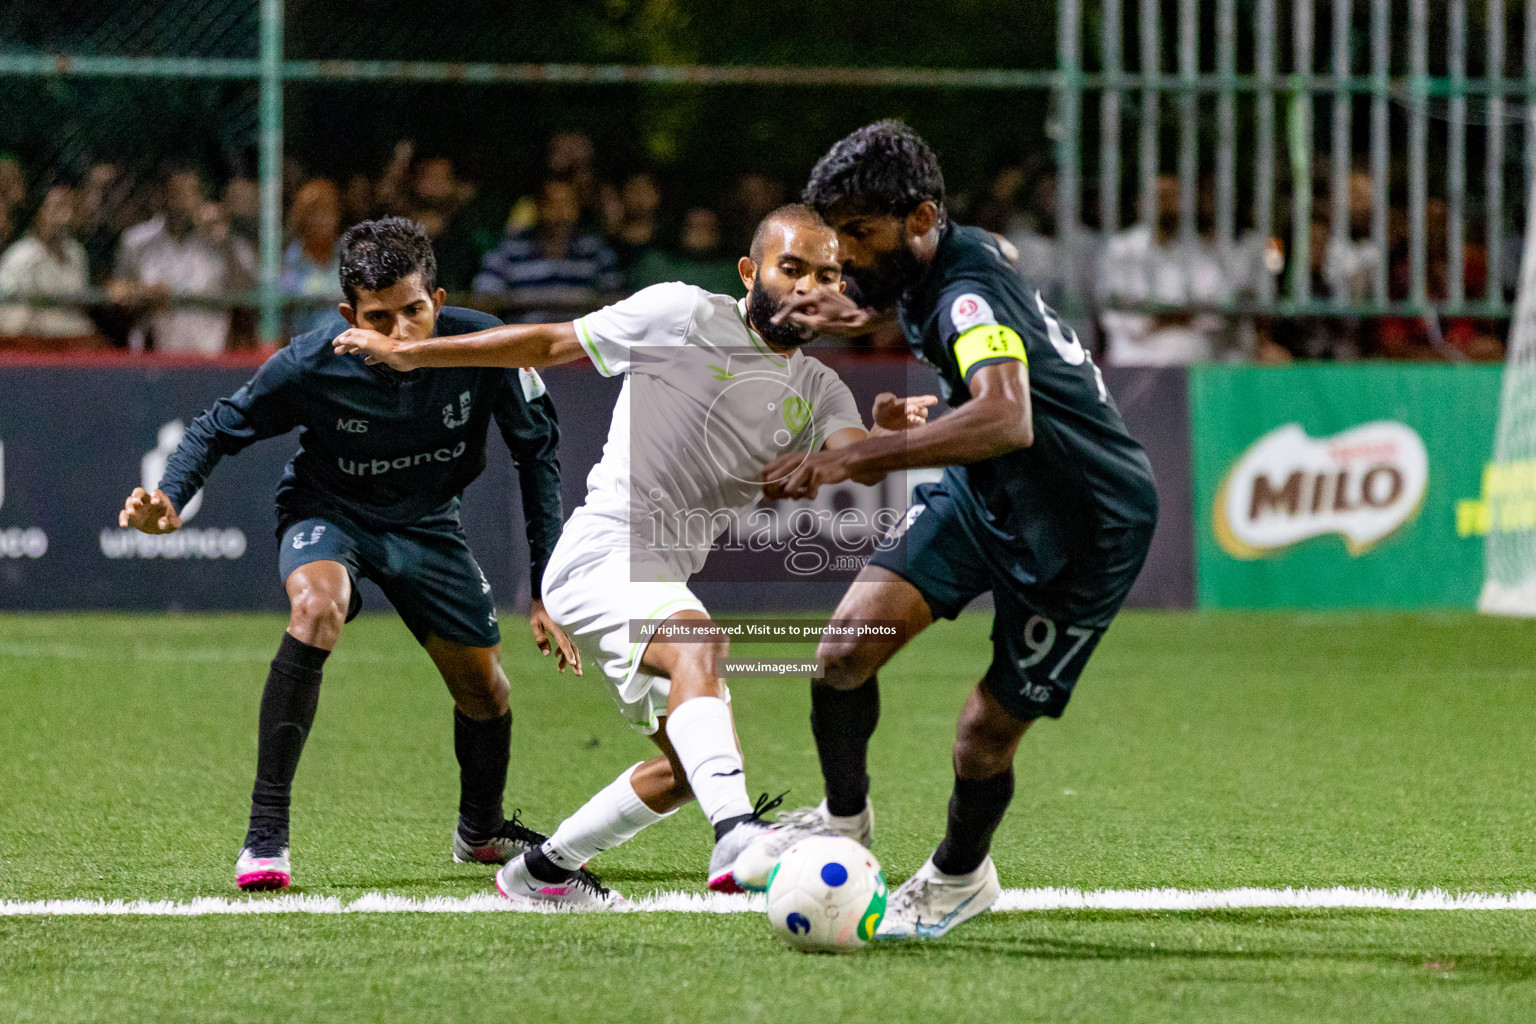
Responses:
[1046,501]
[374,492]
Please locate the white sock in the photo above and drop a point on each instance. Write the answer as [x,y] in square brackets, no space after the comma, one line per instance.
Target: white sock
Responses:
[701,733]
[613,816]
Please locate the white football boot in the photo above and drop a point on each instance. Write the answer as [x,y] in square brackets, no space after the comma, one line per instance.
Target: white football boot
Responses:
[930,903]
[722,862]
[582,892]
[756,861]
[729,846]
[263,874]
[512,839]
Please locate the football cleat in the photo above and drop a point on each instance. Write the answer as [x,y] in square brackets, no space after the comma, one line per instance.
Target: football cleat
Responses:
[730,846]
[930,903]
[756,861]
[583,891]
[263,874]
[722,863]
[511,839]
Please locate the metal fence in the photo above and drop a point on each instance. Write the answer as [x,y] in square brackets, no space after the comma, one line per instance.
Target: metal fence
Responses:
[1402,90]
[1260,110]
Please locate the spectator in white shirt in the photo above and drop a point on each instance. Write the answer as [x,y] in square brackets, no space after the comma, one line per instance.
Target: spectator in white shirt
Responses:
[187,249]
[47,260]
[1150,263]
[1349,263]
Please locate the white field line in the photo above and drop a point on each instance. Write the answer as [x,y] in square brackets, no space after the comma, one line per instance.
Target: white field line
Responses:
[1338,898]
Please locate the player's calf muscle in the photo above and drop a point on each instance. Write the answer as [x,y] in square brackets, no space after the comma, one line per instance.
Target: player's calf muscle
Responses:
[480,696]
[849,664]
[661,785]
[474,677]
[986,737]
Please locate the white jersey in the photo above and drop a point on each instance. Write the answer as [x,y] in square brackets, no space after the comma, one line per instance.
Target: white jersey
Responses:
[705,406]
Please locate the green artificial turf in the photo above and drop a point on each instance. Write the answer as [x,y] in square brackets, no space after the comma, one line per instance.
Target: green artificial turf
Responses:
[1202,751]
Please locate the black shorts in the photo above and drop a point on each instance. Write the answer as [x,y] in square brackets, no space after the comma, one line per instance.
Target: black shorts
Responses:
[1042,632]
[426,570]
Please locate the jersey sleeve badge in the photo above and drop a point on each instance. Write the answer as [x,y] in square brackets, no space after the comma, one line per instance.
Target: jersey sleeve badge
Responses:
[533,384]
[970,310]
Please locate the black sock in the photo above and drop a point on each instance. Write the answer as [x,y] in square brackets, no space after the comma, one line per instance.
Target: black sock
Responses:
[484,750]
[544,869]
[975,810]
[842,722]
[724,825]
[287,712]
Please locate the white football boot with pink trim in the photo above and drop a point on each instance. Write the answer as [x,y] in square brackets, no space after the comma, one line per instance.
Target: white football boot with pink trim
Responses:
[582,892]
[263,874]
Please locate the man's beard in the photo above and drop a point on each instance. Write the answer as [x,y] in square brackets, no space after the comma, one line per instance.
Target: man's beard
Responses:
[881,285]
[762,307]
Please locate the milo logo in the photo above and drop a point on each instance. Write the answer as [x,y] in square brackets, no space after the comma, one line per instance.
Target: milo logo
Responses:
[1362,484]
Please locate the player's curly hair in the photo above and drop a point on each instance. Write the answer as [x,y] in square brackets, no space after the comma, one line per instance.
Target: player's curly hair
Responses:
[376,254]
[882,168]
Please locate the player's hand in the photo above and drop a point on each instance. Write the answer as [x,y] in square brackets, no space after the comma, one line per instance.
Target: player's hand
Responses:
[373,347]
[825,311]
[797,475]
[149,513]
[892,414]
[545,631]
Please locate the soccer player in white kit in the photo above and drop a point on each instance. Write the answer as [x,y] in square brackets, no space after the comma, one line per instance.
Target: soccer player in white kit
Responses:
[713,393]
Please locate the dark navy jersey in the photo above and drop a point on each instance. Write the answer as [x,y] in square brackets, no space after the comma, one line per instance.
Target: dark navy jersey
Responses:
[383,448]
[1084,478]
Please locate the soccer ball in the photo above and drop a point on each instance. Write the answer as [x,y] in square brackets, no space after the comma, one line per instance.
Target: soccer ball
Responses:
[826,894]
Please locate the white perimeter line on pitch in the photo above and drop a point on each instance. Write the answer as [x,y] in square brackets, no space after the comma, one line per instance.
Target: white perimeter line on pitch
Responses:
[691,903]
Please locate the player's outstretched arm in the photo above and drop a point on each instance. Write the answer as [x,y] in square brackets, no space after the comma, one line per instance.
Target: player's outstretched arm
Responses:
[149,513]
[510,346]
[995,421]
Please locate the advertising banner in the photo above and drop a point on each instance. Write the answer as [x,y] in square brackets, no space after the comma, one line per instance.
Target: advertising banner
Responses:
[1339,486]
[76,439]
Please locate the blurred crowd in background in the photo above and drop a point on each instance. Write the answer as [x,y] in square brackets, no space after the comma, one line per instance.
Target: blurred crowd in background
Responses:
[156,262]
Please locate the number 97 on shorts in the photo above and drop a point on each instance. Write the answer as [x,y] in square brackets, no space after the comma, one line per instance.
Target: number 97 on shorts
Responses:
[1036,661]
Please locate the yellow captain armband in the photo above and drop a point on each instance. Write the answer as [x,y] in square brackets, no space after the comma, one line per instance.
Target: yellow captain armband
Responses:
[988,341]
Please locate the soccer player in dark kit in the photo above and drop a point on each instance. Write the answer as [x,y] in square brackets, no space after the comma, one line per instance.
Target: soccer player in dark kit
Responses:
[1046,501]
[374,492]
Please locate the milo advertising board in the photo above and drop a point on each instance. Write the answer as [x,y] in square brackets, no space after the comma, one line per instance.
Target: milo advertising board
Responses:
[1338,486]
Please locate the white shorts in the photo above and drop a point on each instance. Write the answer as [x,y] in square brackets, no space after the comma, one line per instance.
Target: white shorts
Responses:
[589,593]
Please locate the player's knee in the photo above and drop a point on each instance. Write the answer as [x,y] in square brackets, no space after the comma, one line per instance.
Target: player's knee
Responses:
[316,613]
